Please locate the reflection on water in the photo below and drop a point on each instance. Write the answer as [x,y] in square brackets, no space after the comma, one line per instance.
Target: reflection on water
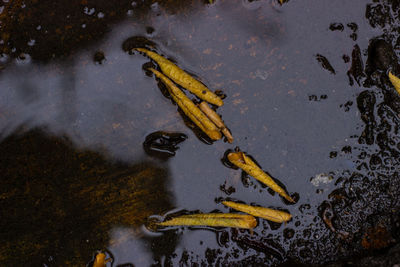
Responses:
[59,202]
[307,94]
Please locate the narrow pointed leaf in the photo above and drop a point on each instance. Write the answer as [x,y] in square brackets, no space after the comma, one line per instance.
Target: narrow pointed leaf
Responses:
[215,118]
[240,160]
[189,108]
[395,81]
[213,220]
[183,78]
[265,213]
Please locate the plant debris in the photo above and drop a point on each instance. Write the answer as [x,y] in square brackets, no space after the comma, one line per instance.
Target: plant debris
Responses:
[213,220]
[100,260]
[395,81]
[242,161]
[214,117]
[265,213]
[183,78]
[189,108]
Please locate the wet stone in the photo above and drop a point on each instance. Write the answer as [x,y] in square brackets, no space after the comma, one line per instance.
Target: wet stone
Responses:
[336,27]
[163,144]
[99,57]
[381,56]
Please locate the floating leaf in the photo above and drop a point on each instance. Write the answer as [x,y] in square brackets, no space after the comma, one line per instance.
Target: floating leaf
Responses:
[183,78]
[240,160]
[189,108]
[266,213]
[213,220]
[395,81]
[214,117]
[100,260]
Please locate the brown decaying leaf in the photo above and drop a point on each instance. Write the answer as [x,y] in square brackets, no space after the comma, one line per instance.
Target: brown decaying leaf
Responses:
[265,213]
[214,117]
[189,108]
[240,160]
[213,220]
[183,78]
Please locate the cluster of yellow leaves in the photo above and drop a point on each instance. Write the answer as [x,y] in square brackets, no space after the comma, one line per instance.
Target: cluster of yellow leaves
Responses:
[265,213]
[230,219]
[212,125]
[189,108]
[205,118]
[182,78]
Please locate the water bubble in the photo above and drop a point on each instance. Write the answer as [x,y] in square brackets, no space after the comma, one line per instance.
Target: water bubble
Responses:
[31,42]
[89,11]
[23,59]
[4,58]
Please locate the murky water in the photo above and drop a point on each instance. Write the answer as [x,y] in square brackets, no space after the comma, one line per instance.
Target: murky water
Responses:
[75,109]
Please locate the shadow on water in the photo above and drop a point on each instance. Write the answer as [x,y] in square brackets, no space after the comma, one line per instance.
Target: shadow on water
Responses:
[59,202]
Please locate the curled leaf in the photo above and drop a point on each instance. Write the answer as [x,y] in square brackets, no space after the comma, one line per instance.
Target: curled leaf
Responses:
[240,160]
[100,260]
[395,81]
[189,108]
[214,117]
[265,213]
[183,78]
[213,220]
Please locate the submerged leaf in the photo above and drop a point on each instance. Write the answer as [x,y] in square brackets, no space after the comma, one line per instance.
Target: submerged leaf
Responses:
[266,213]
[183,78]
[213,220]
[189,108]
[240,160]
[395,81]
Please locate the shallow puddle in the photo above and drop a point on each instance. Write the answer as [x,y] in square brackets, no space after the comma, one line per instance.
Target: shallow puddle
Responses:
[304,97]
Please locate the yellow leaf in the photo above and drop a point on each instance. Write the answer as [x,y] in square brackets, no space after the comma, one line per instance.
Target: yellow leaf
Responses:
[214,117]
[395,81]
[183,78]
[189,108]
[213,220]
[100,260]
[266,213]
[240,160]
